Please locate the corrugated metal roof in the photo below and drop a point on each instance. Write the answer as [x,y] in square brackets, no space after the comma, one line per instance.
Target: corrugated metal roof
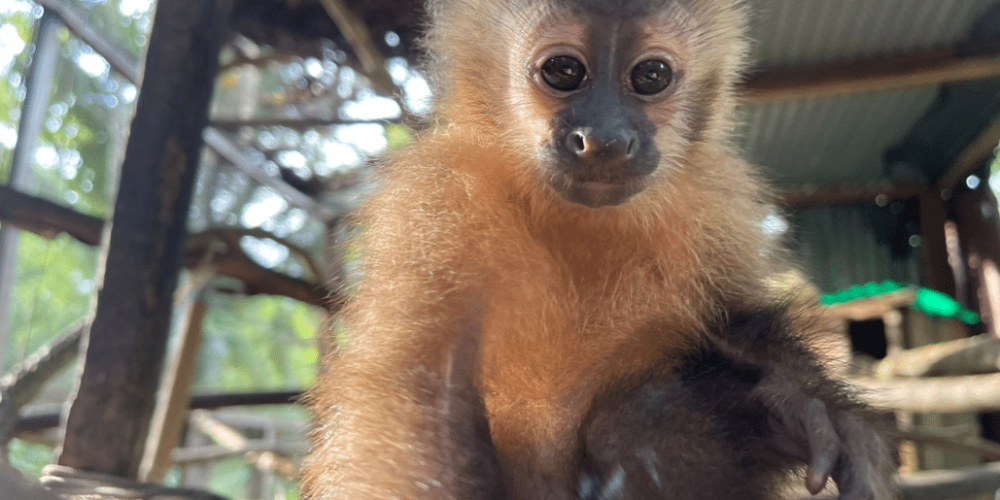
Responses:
[797,32]
[843,138]
[829,140]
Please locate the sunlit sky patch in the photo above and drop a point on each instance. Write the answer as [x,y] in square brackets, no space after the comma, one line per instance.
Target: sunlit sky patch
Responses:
[267,252]
[264,206]
[90,62]
[135,8]
[337,156]
[372,108]
[11,45]
[775,225]
[8,136]
[15,6]
[46,156]
[129,92]
[369,138]
[418,94]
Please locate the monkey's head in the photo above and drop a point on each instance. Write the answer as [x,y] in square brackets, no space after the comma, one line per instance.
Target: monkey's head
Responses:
[604,97]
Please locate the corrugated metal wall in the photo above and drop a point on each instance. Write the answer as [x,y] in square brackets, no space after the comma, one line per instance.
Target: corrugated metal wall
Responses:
[841,246]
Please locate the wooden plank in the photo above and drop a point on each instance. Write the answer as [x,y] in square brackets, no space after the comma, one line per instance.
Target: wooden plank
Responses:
[931,67]
[108,421]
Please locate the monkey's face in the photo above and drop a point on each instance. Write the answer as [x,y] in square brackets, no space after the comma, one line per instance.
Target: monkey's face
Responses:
[613,104]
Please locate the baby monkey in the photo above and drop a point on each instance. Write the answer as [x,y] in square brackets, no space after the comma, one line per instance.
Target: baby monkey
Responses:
[564,289]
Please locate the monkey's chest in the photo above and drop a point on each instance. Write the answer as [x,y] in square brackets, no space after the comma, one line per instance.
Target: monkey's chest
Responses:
[540,372]
[689,432]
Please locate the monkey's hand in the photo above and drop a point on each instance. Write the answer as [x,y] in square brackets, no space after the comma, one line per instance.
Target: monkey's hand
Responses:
[835,442]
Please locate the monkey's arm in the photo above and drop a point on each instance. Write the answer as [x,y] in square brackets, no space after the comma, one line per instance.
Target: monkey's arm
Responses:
[398,415]
[812,418]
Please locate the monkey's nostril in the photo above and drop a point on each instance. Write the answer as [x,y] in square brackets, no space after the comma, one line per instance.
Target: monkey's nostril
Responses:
[632,148]
[579,142]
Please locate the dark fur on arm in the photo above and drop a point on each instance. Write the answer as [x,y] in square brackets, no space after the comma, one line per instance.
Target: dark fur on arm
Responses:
[737,414]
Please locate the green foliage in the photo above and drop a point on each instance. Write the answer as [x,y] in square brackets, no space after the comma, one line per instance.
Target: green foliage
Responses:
[257,343]
[398,136]
[30,458]
[251,344]
[53,289]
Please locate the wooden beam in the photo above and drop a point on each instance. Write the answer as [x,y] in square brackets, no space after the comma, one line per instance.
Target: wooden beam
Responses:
[981,150]
[938,273]
[41,420]
[930,67]
[848,194]
[983,447]
[359,37]
[48,219]
[233,154]
[228,437]
[968,356]
[76,21]
[109,419]
[872,307]
[945,484]
[976,217]
[174,396]
[232,124]
[964,394]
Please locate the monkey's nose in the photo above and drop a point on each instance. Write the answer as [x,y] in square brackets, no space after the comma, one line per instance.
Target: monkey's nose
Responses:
[609,145]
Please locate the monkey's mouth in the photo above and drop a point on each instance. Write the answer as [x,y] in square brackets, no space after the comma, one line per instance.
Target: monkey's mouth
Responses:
[597,191]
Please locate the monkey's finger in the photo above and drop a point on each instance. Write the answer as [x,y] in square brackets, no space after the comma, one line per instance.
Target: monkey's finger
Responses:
[824,445]
[863,461]
[805,430]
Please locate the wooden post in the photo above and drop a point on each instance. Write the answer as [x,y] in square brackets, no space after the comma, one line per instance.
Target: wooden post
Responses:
[174,398]
[108,422]
[933,217]
[978,226]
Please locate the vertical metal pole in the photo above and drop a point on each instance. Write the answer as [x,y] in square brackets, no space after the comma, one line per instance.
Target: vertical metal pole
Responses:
[36,103]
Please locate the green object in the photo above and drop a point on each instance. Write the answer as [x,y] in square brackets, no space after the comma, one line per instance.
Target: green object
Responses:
[930,302]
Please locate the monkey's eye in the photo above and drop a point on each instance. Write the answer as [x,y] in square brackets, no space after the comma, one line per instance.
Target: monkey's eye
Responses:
[563,73]
[651,77]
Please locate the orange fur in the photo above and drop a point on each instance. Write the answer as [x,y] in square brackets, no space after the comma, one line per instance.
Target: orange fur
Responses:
[465,242]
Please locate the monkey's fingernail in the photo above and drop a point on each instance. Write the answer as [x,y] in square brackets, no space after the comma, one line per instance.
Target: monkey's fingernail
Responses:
[819,471]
